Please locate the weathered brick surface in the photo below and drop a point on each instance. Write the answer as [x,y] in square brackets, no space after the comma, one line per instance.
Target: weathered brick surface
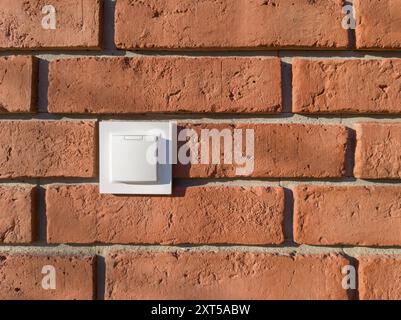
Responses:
[288,116]
[347,86]
[47,149]
[17,214]
[18,84]
[22,277]
[349,215]
[78,25]
[280,150]
[378,151]
[379,278]
[158,84]
[240,24]
[378,24]
[197,215]
[223,275]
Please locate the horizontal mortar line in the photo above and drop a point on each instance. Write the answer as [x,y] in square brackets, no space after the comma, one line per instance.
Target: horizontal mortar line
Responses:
[204,182]
[286,183]
[289,244]
[45,116]
[342,55]
[284,118]
[56,54]
[105,249]
[48,181]
[283,54]
[256,118]
[280,52]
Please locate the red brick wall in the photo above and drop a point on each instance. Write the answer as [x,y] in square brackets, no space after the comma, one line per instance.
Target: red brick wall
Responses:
[325,106]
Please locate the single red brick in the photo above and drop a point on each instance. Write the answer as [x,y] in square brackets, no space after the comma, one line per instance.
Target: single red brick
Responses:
[197,215]
[378,151]
[78,24]
[158,84]
[347,215]
[47,149]
[280,150]
[347,86]
[378,24]
[223,275]
[380,278]
[18,84]
[17,214]
[225,24]
[23,275]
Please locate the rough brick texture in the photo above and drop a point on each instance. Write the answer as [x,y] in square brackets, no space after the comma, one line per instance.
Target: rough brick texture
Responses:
[379,278]
[347,86]
[280,150]
[378,151]
[47,149]
[223,275]
[378,24]
[240,24]
[17,214]
[22,277]
[350,215]
[296,150]
[197,215]
[18,84]
[78,24]
[141,85]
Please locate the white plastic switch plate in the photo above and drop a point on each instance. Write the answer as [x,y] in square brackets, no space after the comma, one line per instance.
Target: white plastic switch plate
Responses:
[136,157]
[133,158]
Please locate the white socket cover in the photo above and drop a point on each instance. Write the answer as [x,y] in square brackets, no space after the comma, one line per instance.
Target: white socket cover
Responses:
[136,157]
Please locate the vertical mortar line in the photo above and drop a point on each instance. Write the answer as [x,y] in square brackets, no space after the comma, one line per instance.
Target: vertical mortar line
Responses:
[108,31]
[288,216]
[286,86]
[41,217]
[43,86]
[353,294]
[356,265]
[100,276]
[350,153]
[351,31]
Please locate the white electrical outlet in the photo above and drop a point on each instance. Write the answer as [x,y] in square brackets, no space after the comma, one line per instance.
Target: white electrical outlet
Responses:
[136,157]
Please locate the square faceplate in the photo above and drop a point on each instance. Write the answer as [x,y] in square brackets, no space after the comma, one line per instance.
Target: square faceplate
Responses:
[136,157]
